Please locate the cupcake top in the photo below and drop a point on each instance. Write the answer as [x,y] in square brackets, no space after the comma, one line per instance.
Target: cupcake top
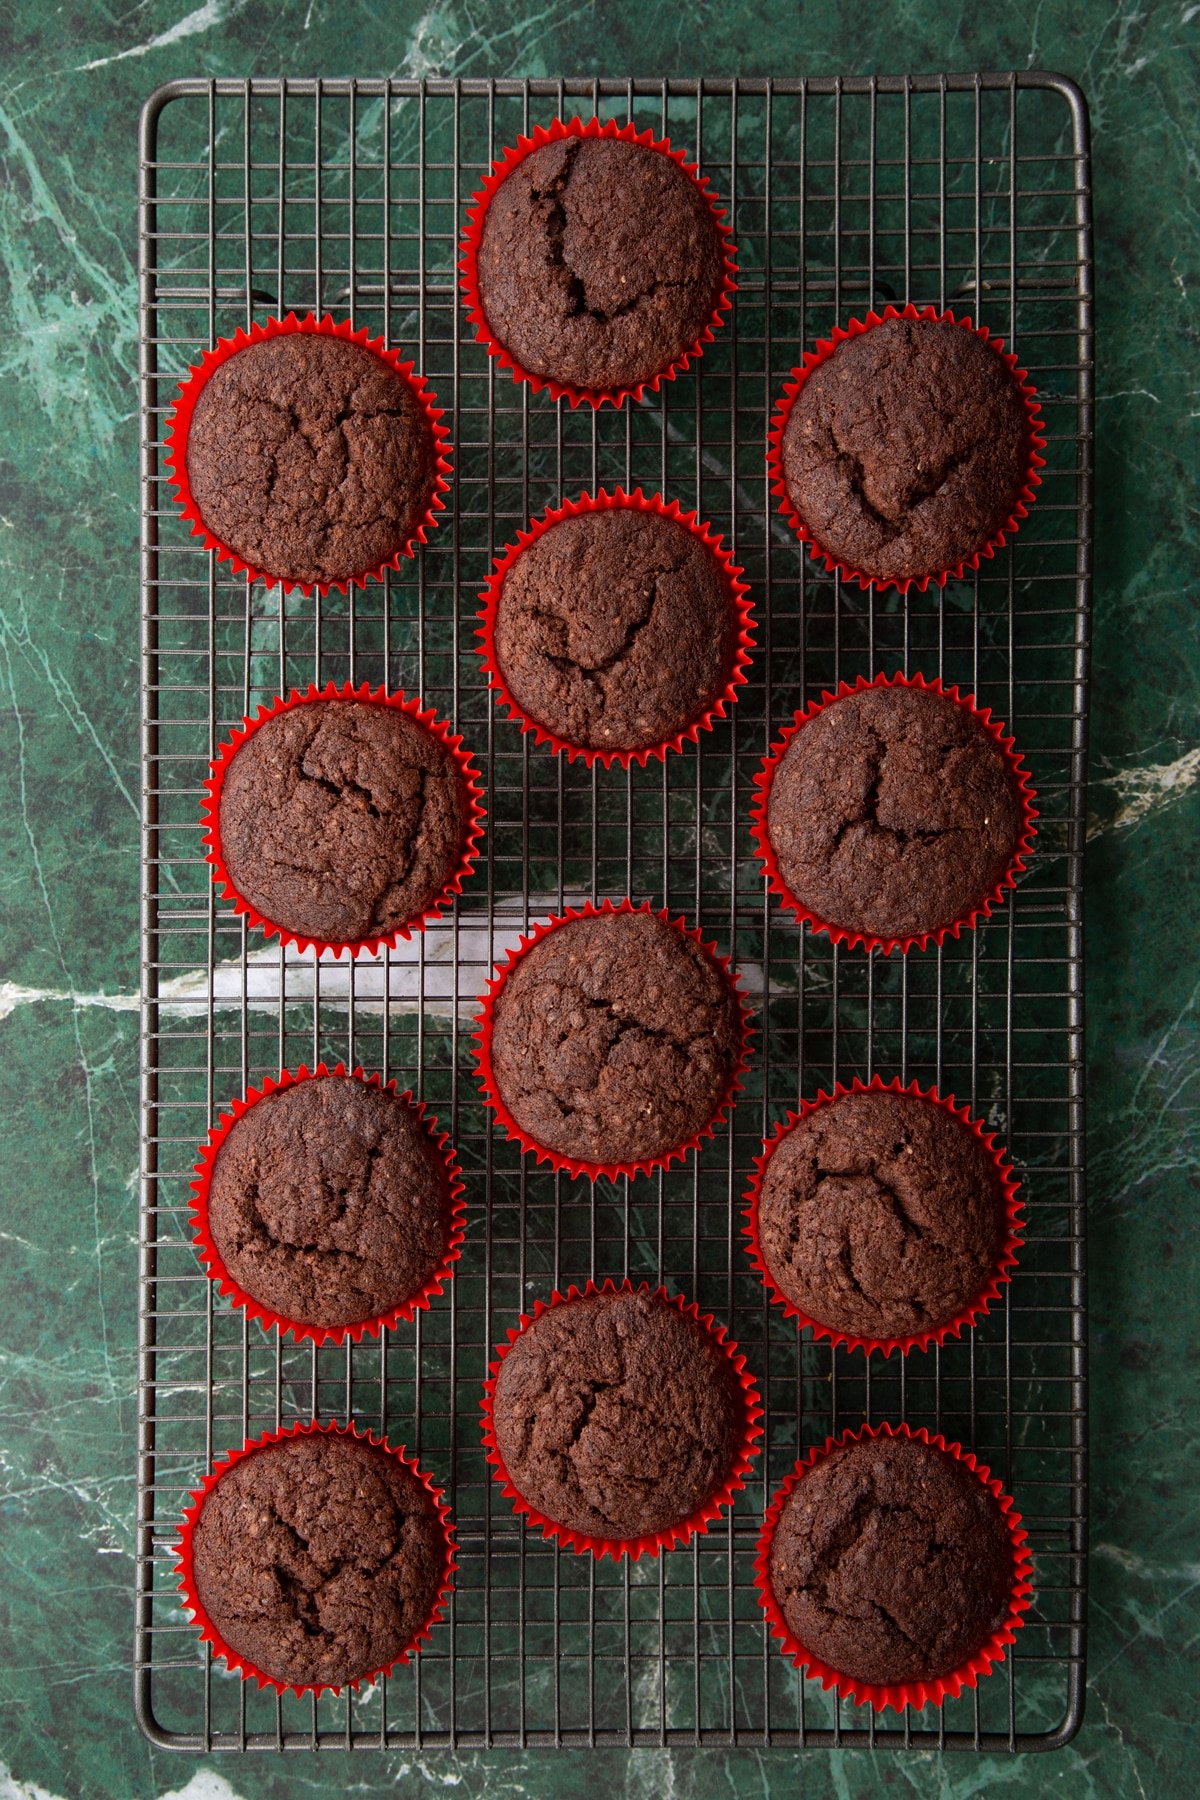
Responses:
[891,1561]
[600,263]
[311,457]
[614,1038]
[615,630]
[342,819]
[330,1201]
[892,812]
[881,1215]
[907,449]
[318,1559]
[617,1415]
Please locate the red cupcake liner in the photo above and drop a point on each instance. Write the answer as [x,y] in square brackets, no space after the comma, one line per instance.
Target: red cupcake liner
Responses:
[652,1543]
[179,424]
[209,1634]
[228,1285]
[898,1695]
[483,1047]
[982,909]
[813,359]
[473,232]
[365,695]
[1006,1261]
[602,501]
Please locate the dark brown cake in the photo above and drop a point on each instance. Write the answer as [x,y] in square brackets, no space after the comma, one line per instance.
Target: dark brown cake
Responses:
[599,263]
[881,1215]
[891,1561]
[311,457]
[330,1201]
[614,1038]
[342,819]
[893,813]
[318,1559]
[907,449]
[615,629]
[618,1416]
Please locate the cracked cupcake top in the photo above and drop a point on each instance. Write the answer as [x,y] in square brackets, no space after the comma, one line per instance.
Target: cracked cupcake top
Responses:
[615,630]
[891,1561]
[318,1559]
[617,1415]
[599,263]
[892,812]
[614,1039]
[907,449]
[880,1215]
[342,819]
[330,1202]
[310,457]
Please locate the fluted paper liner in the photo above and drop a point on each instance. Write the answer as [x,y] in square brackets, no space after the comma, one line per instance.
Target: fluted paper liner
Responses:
[180,422]
[898,1695]
[1035,436]
[364,695]
[737,589]
[227,1284]
[469,260]
[240,1665]
[986,903]
[483,1047]
[651,1543]
[1006,1259]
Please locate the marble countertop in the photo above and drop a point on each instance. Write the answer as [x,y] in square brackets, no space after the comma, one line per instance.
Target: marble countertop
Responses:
[72,82]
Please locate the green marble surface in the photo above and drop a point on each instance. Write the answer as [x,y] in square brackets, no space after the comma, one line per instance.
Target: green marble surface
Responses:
[72,77]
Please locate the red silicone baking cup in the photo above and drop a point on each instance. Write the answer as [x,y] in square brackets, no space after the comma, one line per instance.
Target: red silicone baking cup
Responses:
[473,232]
[618,500]
[180,422]
[365,695]
[983,907]
[698,1522]
[900,1694]
[228,1285]
[187,1582]
[1035,427]
[1006,1261]
[483,1046]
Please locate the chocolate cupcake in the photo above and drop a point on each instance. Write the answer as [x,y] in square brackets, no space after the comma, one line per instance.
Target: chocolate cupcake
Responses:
[618,1415]
[893,813]
[614,1040]
[311,457]
[907,450]
[600,263]
[329,1202]
[891,1561]
[341,819]
[615,628]
[317,1559]
[881,1215]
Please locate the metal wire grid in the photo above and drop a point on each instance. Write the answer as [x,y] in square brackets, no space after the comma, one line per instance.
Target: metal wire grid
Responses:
[971,191]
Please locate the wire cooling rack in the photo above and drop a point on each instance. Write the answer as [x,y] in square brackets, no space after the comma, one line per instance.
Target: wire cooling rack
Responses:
[348,196]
